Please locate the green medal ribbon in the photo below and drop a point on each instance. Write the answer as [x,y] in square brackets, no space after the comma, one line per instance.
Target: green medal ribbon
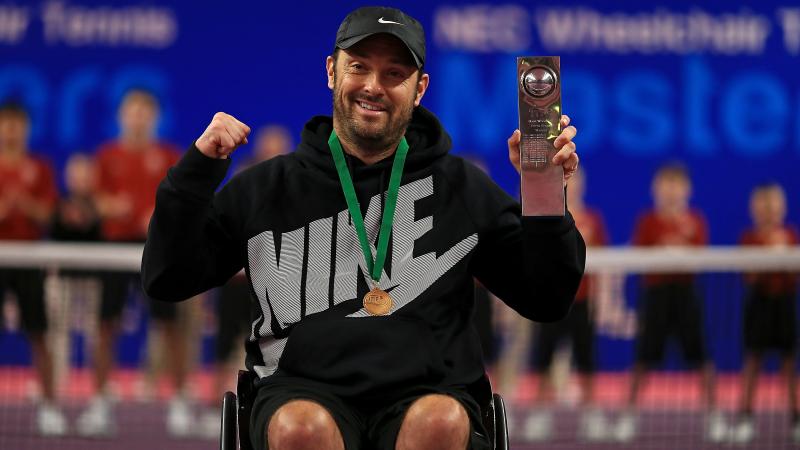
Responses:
[376,268]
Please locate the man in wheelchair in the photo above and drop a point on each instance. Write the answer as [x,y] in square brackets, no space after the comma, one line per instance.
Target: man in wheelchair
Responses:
[360,249]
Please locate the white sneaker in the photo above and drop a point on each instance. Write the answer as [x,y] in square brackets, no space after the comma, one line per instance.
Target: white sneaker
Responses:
[744,432]
[97,420]
[625,430]
[50,421]
[538,427]
[716,427]
[796,432]
[210,424]
[593,425]
[179,417]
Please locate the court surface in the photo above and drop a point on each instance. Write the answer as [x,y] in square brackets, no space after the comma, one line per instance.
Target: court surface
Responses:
[671,416]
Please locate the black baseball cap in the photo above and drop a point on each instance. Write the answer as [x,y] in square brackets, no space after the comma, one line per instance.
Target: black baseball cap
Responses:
[369,20]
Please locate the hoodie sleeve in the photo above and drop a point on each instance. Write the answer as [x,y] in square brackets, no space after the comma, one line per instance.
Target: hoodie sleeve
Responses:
[533,264]
[190,242]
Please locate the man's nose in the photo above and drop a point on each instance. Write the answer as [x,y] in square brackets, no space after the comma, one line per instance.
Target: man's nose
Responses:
[373,84]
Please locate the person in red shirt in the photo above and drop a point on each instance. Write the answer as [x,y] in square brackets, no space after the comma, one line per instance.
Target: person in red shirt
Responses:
[669,305]
[578,326]
[129,170]
[27,197]
[770,313]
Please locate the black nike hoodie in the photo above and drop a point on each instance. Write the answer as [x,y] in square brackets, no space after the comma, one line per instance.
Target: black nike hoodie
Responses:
[285,221]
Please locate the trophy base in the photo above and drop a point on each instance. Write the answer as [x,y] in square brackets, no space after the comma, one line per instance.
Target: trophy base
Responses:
[542,191]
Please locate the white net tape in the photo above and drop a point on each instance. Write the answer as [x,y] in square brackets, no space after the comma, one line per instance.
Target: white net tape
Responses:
[127,257]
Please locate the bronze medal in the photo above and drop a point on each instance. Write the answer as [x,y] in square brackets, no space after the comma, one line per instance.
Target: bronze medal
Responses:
[378,302]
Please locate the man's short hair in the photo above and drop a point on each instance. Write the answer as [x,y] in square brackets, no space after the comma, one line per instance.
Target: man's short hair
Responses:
[765,186]
[143,94]
[15,109]
[673,169]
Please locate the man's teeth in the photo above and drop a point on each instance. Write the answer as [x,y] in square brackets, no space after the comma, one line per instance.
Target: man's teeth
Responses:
[369,107]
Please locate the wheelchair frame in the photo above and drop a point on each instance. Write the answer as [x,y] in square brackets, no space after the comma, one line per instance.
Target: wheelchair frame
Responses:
[236,410]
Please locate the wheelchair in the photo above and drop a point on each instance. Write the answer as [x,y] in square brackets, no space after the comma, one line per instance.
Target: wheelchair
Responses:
[236,410]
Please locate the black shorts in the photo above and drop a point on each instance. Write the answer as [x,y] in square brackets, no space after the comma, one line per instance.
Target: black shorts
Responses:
[233,317]
[371,426]
[667,310]
[579,327]
[28,288]
[117,287]
[770,323]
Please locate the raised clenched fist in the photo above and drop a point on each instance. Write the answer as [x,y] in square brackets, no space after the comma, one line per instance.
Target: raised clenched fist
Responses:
[223,135]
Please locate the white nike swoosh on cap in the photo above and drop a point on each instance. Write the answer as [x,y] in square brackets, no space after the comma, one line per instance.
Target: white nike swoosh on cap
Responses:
[382,20]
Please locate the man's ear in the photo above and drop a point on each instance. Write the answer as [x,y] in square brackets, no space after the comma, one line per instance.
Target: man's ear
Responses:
[329,66]
[422,86]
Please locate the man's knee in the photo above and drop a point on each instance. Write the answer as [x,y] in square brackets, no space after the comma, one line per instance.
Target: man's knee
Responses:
[435,421]
[303,424]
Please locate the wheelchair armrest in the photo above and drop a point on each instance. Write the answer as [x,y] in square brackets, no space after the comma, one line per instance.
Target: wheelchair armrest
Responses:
[500,423]
[228,430]
[493,411]
[245,391]
[481,391]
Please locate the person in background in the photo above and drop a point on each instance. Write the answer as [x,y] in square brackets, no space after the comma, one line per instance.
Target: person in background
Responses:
[271,141]
[74,293]
[232,308]
[27,196]
[770,313]
[669,305]
[578,326]
[129,170]
[76,217]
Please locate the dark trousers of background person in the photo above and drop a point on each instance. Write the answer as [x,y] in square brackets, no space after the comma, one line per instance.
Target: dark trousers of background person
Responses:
[27,285]
[578,328]
[116,289]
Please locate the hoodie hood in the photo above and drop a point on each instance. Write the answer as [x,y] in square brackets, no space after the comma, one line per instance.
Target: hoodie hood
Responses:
[426,138]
